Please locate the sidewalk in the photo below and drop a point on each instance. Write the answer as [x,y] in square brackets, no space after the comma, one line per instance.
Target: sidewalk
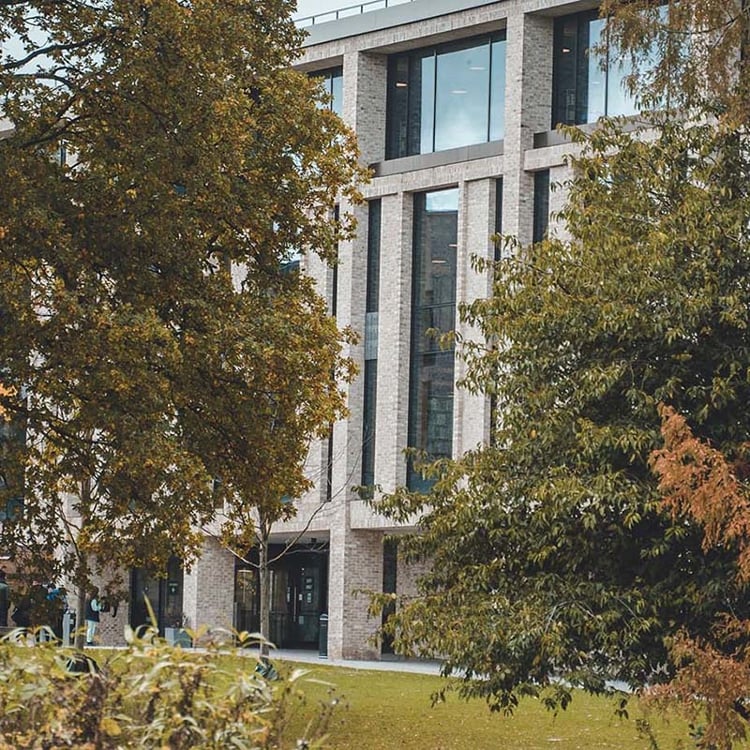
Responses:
[387,664]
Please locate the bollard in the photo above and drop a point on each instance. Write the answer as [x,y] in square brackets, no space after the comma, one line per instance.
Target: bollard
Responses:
[323,637]
[68,628]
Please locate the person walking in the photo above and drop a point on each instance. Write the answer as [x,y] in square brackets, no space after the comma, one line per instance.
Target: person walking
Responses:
[93,607]
[4,599]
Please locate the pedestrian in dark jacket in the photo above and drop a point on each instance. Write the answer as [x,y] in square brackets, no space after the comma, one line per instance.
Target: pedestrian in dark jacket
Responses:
[93,607]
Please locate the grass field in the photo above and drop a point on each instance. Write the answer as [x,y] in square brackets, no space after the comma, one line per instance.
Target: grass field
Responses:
[388,710]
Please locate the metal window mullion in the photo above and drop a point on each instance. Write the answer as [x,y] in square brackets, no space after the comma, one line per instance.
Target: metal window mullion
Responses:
[489,91]
[434,97]
[606,70]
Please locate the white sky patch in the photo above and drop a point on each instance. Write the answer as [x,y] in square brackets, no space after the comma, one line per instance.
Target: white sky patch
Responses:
[313,7]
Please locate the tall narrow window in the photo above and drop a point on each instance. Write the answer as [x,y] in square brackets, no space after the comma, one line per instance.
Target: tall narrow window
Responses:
[334,297]
[333,84]
[329,467]
[334,288]
[446,97]
[371,343]
[12,479]
[498,255]
[390,586]
[541,205]
[498,216]
[433,309]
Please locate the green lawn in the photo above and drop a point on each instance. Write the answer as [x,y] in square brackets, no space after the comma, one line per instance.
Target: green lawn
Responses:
[387,710]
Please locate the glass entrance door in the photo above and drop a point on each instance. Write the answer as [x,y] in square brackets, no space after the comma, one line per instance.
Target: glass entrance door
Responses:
[299,595]
[305,586]
[164,596]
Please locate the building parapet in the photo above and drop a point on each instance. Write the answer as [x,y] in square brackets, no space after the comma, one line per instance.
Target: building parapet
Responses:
[349,10]
[384,14]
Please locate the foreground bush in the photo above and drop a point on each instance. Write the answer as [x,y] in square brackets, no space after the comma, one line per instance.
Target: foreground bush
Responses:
[150,695]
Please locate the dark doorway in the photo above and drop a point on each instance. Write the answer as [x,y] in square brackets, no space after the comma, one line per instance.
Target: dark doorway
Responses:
[163,593]
[299,595]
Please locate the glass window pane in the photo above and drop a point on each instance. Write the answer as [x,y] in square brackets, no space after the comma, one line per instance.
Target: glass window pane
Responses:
[369,407]
[373,256]
[433,307]
[337,92]
[461,98]
[497,91]
[398,107]
[588,85]
[619,100]
[541,205]
[565,92]
[597,77]
[420,84]
[446,97]
[427,106]
[332,81]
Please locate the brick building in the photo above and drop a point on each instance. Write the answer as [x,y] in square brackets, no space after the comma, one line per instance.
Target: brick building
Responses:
[455,104]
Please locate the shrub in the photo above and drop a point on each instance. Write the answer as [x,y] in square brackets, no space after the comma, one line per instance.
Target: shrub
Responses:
[149,695]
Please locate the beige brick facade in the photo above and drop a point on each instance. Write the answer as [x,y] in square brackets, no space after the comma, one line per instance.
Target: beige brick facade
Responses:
[332,512]
[362,46]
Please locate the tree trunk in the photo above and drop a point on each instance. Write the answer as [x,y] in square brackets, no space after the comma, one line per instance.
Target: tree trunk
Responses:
[81,577]
[80,632]
[264,580]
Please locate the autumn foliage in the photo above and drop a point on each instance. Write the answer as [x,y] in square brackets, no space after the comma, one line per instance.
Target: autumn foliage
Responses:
[702,483]
[166,163]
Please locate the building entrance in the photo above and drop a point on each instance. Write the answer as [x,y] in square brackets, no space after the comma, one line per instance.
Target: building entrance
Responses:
[163,594]
[299,595]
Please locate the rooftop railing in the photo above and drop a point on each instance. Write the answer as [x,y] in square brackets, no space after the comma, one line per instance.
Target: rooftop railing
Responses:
[349,10]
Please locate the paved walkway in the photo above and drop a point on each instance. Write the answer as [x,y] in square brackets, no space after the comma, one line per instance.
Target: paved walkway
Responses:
[387,664]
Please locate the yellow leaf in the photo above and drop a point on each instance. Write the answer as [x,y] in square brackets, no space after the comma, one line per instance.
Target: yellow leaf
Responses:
[110,727]
[4,392]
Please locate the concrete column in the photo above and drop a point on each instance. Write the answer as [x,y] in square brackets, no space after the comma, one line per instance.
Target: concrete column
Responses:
[528,103]
[477,223]
[391,428]
[208,588]
[365,82]
[356,565]
[356,557]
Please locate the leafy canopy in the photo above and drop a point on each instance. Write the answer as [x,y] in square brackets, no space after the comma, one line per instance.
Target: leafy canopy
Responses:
[142,294]
[552,554]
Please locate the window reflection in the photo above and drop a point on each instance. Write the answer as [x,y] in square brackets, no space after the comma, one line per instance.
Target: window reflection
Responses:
[333,85]
[497,90]
[587,84]
[433,307]
[372,306]
[446,97]
[462,97]
[597,76]
[427,105]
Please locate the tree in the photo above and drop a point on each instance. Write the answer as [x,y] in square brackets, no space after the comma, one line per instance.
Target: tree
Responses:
[687,55]
[193,150]
[279,387]
[700,482]
[551,553]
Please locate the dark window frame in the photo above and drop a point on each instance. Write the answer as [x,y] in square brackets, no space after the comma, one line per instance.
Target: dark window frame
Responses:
[403,133]
[424,350]
[329,76]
